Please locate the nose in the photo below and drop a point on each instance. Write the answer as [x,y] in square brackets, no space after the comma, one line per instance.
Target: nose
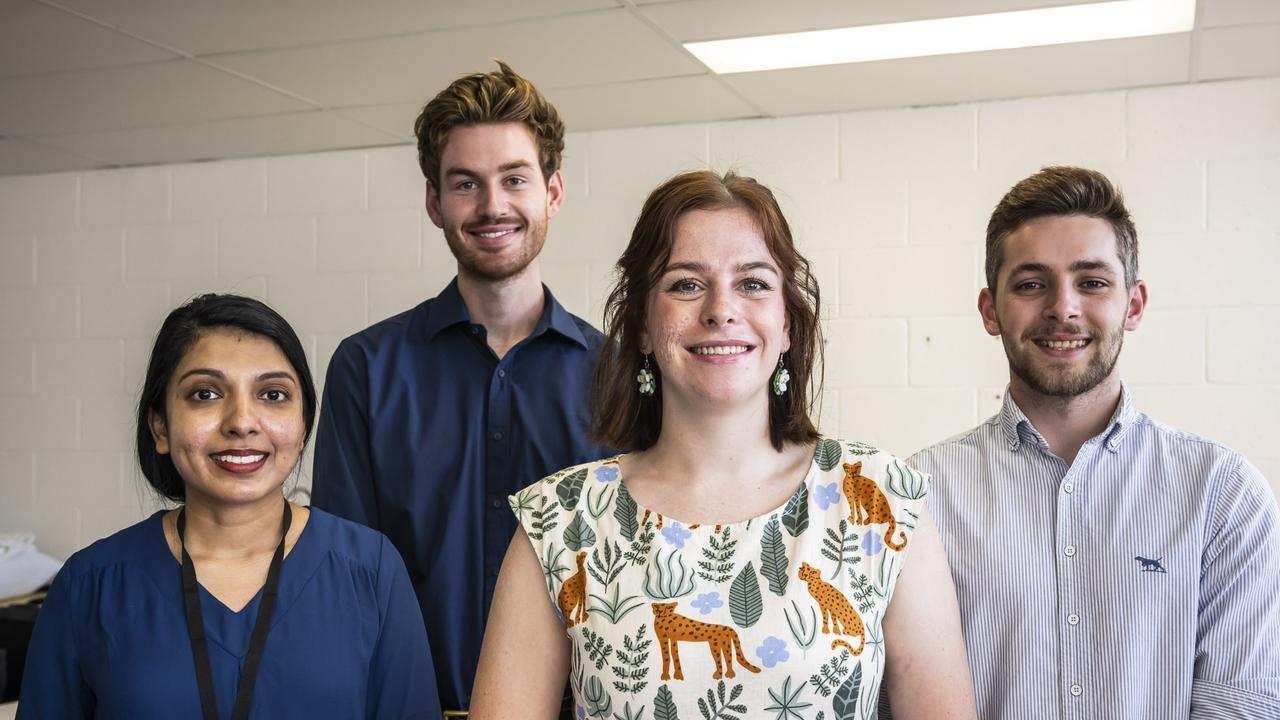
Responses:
[719,309]
[493,204]
[1064,303]
[240,421]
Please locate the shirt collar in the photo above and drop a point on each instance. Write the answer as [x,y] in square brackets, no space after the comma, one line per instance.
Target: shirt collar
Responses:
[448,309]
[1015,424]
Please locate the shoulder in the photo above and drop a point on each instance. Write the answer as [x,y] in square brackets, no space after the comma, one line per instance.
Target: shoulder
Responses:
[129,545]
[840,458]
[570,481]
[594,337]
[384,333]
[973,442]
[360,544]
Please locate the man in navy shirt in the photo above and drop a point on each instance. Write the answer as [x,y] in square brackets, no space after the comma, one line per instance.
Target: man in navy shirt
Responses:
[431,418]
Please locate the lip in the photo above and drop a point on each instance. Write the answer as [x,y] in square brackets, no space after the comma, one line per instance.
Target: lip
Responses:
[729,350]
[1060,347]
[240,467]
[494,236]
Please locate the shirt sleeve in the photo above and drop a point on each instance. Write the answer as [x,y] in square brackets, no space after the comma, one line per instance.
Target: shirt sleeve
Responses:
[1237,662]
[52,683]
[342,478]
[402,677]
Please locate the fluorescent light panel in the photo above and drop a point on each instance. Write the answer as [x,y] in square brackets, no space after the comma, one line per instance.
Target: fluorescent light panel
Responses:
[946,36]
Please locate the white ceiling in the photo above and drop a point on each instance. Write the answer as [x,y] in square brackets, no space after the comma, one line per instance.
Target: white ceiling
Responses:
[101,83]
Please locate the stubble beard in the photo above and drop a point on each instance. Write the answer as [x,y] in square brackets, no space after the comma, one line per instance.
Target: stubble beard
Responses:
[490,267]
[1050,381]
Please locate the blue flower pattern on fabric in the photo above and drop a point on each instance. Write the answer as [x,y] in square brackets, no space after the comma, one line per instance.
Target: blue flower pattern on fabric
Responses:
[707,602]
[607,473]
[826,495]
[773,651]
[676,534]
[872,544]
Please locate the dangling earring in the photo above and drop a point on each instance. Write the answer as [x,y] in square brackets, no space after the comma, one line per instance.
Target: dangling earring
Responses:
[780,379]
[646,379]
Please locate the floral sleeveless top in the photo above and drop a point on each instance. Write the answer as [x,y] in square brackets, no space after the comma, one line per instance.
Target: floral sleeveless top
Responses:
[777,617]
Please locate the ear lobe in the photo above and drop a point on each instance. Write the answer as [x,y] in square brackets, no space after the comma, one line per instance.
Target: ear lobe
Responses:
[159,432]
[433,205]
[555,194]
[1137,305]
[987,309]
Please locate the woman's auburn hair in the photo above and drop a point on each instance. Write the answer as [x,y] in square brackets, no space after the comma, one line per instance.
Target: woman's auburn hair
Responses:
[625,419]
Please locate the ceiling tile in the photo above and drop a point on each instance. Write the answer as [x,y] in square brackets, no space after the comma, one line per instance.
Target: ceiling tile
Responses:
[148,95]
[1242,51]
[1024,72]
[239,137]
[1221,13]
[716,19]
[18,157]
[580,49]
[648,102]
[396,118]
[36,38]
[201,27]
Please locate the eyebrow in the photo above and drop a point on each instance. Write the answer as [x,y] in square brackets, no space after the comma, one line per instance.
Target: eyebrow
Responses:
[505,167]
[210,372]
[1090,264]
[696,267]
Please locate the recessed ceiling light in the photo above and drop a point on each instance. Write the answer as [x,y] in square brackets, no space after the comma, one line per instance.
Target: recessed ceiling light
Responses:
[946,36]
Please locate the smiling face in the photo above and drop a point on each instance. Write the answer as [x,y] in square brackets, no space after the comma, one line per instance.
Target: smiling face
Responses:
[493,202]
[234,425]
[716,319]
[1060,306]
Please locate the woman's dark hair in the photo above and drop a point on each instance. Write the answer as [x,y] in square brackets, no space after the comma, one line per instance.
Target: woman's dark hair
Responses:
[178,333]
[625,419]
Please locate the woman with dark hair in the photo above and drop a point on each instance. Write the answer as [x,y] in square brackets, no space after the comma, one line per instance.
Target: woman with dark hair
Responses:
[781,573]
[237,603]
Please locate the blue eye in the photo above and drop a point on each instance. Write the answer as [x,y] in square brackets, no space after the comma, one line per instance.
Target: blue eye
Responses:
[684,286]
[755,285]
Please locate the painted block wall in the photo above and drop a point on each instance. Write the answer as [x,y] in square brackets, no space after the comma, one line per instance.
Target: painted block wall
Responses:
[890,206]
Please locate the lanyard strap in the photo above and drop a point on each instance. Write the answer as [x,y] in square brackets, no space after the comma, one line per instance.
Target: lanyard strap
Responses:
[261,626]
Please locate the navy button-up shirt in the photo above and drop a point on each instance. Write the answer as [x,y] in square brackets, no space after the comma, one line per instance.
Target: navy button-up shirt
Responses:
[424,433]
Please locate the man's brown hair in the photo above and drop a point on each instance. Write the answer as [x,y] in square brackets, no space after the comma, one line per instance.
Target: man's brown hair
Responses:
[1062,190]
[625,419]
[499,96]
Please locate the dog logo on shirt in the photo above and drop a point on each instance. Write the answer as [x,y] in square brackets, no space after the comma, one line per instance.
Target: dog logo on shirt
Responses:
[1150,565]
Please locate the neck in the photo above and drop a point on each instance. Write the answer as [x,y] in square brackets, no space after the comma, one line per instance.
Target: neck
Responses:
[1067,422]
[713,439]
[508,309]
[213,529]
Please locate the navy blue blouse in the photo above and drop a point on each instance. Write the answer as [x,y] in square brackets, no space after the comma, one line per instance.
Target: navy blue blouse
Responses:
[423,434]
[347,640]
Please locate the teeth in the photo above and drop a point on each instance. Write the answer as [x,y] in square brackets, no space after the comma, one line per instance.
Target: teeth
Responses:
[239,459]
[496,234]
[720,350]
[1064,344]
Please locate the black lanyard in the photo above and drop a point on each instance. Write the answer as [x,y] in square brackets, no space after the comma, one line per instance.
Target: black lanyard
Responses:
[261,626]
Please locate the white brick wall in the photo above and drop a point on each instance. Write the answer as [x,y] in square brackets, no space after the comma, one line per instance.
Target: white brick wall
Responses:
[890,206]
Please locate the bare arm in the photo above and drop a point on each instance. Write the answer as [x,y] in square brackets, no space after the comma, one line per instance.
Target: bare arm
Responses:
[926,673]
[525,657]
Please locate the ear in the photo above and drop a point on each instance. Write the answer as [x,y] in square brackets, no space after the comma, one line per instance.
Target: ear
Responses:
[1137,305]
[555,194]
[159,432]
[433,205]
[786,332]
[987,308]
[646,346]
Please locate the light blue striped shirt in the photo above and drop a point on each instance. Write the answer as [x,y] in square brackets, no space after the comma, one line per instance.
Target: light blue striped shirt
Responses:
[1141,581]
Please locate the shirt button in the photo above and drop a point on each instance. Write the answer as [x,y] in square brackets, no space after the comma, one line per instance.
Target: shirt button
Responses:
[497,436]
[475,329]
[1076,690]
[496,503]
[494,573]
[1073,619]
[1068,487]
[502,373]
[1069,551]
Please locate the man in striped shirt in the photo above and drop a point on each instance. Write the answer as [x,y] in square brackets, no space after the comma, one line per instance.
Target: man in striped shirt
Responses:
[1107,566]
